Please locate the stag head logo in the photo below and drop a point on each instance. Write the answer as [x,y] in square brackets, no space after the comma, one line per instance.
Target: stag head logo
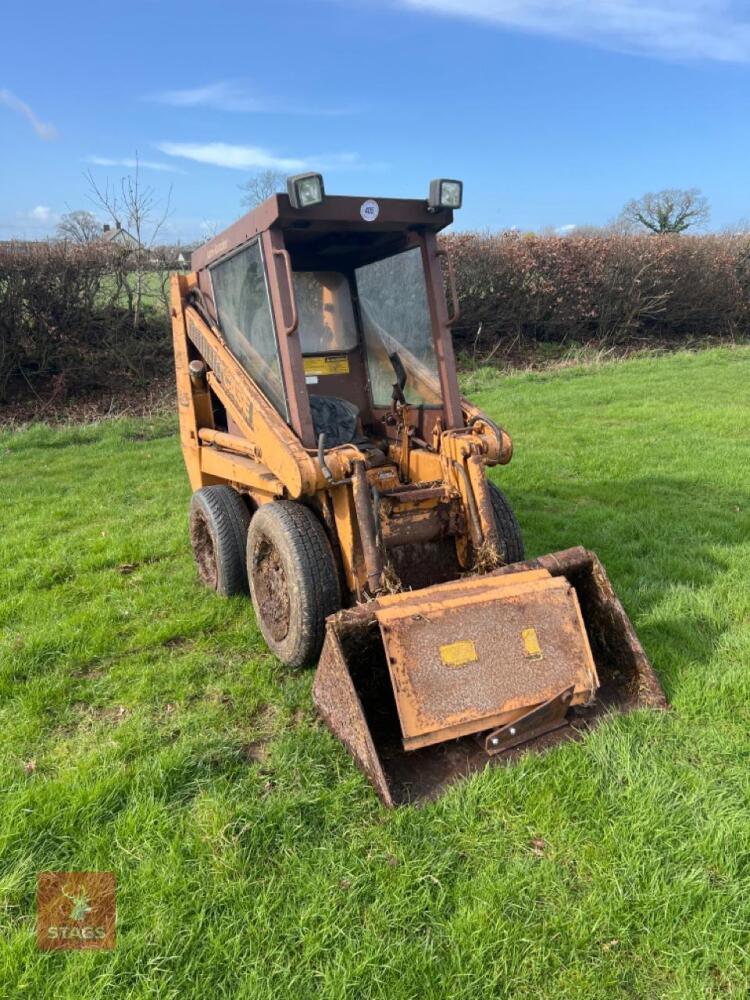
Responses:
[80,901]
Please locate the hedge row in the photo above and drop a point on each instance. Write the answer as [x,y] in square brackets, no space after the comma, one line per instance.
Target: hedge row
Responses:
[77,317]
[608,288]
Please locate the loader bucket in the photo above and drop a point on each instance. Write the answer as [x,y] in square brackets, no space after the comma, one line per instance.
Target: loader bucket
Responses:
[429,686]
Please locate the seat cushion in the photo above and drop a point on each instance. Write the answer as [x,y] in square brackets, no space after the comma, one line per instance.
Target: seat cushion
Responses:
[336,418]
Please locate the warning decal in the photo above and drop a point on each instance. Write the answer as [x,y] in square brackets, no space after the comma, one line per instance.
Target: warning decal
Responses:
[331,364]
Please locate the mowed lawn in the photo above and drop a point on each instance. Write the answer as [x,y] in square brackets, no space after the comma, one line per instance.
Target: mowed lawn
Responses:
[145,730]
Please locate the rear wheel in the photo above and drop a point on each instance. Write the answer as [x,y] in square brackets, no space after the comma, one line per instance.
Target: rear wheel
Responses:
[293,580]
[508,530]
[219,519]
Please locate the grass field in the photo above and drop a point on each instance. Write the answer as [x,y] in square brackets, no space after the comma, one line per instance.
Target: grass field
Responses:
[144,729]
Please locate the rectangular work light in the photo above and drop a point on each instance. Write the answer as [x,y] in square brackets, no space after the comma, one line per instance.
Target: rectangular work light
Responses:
[445,194]
[305,190]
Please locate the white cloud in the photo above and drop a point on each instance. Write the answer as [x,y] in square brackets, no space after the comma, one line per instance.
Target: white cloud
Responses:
[676,29]
[131,164]
[43,129]
[564,230]
[221,96]
[226,96]
[223,154]
[33,223]
[42,214]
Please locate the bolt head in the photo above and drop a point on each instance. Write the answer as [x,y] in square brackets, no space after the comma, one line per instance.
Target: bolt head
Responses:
[494,741]
[512,731]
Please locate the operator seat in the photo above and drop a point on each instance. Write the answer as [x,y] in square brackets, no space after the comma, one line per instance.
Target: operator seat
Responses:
[337,418]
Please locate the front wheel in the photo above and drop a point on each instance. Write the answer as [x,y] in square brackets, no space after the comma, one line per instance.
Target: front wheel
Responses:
[293,580]
[508,530]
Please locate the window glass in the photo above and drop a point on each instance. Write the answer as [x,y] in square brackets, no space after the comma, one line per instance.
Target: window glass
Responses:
[326,315]
[396,318]
[241,299]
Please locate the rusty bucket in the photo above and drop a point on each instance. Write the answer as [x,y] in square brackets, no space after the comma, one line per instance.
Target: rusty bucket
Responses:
[428,686]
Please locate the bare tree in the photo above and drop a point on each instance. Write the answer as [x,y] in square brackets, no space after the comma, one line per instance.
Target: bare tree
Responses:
[79,227]
[261,186]
[670,211]
[136,209]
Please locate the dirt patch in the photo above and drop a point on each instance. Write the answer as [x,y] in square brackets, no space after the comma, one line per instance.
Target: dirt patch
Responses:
[112,714]
[271,590]
[178,642]
[254,753]
[204,550]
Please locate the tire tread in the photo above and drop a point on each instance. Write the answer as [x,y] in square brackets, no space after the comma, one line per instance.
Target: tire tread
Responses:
[228,518]
[508,529]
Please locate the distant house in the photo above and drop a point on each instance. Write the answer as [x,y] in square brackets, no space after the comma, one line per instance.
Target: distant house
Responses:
[117,236]
[183,260]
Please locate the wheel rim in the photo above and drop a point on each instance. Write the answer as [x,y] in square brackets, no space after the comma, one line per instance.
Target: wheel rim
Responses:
[205,552]
[270,590]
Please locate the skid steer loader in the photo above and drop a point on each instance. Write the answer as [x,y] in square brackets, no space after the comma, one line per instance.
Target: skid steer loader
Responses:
[339,475]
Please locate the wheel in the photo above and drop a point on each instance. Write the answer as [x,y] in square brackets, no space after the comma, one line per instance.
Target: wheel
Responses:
[219,520]
[293,580]
[508,530]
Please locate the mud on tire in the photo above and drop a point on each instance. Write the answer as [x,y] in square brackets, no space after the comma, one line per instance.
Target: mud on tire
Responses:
[219,519]
[508,530]
[293,580]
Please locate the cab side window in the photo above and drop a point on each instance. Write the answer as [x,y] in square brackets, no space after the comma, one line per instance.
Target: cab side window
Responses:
[241,297]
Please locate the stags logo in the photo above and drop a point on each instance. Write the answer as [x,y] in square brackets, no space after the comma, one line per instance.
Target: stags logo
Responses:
[75,910]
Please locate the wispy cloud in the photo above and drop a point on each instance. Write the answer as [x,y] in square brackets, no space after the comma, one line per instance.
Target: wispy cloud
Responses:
[223,154]
[43,129]
[225,95]
[673,29]
[131,164]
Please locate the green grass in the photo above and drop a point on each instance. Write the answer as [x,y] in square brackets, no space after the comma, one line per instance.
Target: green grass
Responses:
[145,729]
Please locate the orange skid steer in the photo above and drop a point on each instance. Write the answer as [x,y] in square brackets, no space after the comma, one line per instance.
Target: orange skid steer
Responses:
[340,477]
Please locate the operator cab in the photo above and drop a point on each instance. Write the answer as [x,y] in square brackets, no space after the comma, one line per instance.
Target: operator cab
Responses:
[332,308]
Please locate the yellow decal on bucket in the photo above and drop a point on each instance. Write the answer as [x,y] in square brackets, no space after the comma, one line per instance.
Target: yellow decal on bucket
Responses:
[327,365]
[531,644]
[456,654]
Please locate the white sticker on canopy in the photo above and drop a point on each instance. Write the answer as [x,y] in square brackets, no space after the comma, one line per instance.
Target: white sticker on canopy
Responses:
[369,210]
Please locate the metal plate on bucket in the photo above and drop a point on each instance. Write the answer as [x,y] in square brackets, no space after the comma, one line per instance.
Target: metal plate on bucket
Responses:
[478,653]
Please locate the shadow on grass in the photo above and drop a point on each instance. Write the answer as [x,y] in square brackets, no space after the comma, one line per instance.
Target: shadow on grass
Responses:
[663,542]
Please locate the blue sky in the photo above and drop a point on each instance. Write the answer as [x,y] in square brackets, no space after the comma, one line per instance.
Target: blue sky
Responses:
[553,113]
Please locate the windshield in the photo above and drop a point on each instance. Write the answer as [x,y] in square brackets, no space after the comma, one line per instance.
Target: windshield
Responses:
[326,315]
[396,318]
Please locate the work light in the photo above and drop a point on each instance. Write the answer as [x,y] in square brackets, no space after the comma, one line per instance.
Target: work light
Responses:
[445,194]
[305,190]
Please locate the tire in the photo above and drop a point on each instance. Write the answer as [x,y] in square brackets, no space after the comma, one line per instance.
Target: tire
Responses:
[293,580]
[508,530]
[219,519]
